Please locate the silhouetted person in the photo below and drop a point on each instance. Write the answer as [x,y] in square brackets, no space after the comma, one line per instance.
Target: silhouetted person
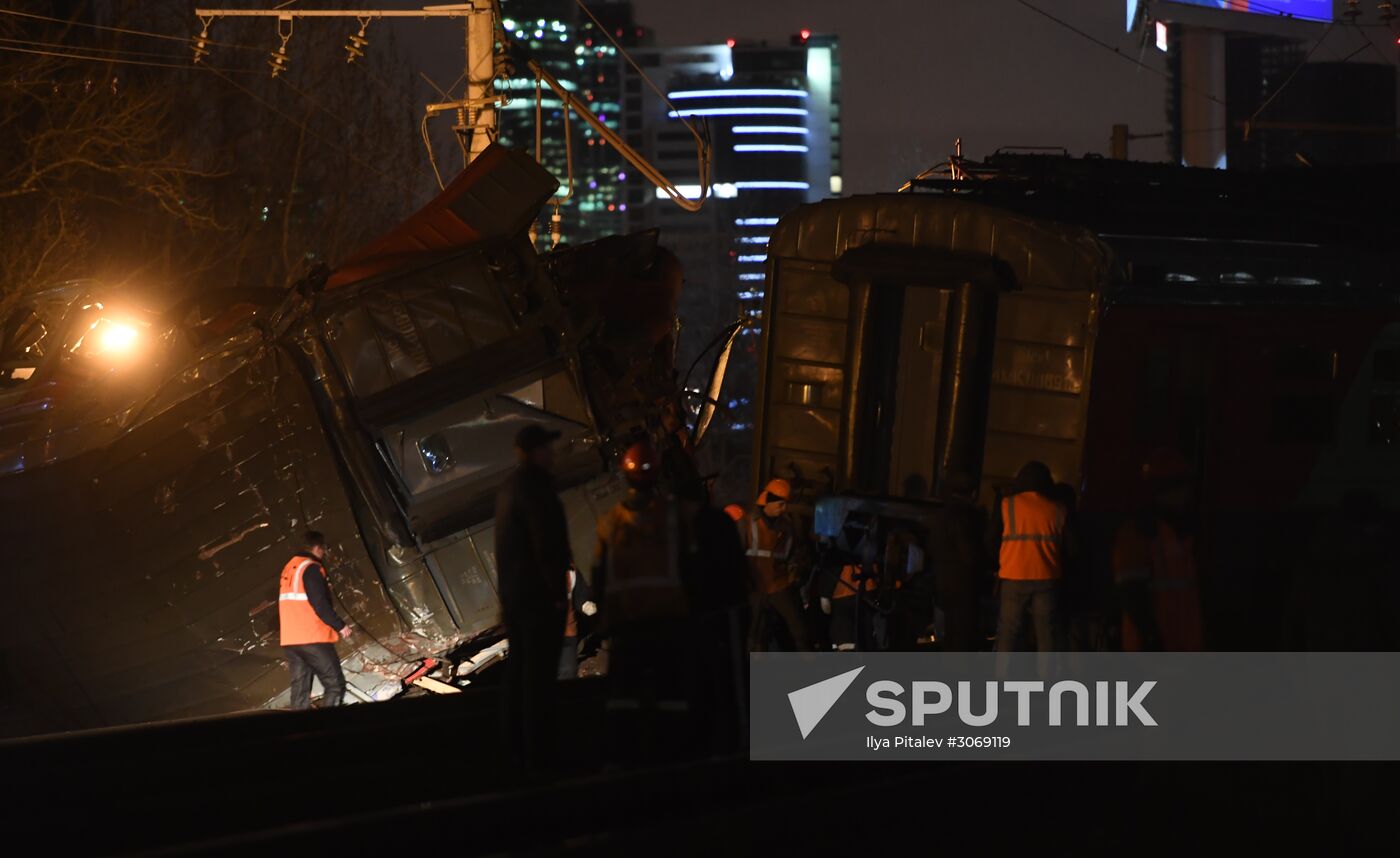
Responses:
[1154,562]
[958,559]
[532,560]
[639,577]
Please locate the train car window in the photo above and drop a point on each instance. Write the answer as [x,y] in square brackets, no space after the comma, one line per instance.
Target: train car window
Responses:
[473,438]
[29,334]
[395,331]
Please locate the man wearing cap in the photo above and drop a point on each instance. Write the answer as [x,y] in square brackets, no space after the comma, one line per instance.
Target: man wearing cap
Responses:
[532,561]
[770,542]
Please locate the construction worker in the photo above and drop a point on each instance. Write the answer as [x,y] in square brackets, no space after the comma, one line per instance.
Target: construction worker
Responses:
[532,561]
[1029,535]
[1154,562]
[841,605]
[770,542]
[637,575]
[580,609]
[309,625]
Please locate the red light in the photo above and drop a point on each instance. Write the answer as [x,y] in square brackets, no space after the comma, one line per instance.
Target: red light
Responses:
[730,42]
[806,34]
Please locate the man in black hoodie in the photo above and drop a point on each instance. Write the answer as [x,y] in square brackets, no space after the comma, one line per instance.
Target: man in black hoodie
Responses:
[532,562]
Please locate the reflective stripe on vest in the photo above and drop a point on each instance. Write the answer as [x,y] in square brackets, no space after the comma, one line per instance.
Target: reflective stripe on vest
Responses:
[764,552]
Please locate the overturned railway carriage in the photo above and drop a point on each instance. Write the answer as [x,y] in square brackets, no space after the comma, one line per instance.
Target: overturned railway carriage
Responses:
[1086,313]
[150,499]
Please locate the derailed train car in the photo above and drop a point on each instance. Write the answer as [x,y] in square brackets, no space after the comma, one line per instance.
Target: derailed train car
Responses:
[1086,313]
[156,467]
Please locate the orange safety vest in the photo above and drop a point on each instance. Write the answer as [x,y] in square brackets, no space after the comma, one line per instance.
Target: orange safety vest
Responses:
[1167,562]
[643,562]
[1032,536]
[846,586]
[298,619]
[768,551]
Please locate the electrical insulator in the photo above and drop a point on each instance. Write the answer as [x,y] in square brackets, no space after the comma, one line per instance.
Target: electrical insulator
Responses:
[1386,11]
[355,46]
[556,228]
[200,44]
[278,61]
[1353,10]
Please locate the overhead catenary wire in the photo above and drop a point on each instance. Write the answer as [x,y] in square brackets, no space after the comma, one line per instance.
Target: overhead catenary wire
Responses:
[119,60]
[1115,51]
[327,141]
[124,30]
[1248,123]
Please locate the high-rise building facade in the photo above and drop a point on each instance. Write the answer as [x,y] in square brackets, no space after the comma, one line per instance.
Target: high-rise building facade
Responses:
[557,35]
[773,117]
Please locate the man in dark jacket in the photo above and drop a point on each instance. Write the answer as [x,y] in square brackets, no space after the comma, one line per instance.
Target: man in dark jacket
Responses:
[532,561]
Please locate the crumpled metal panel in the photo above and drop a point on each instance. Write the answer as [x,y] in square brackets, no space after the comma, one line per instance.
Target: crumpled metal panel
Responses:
[142,576]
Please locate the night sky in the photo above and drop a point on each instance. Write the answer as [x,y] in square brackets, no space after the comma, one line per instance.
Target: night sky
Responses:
[919,73]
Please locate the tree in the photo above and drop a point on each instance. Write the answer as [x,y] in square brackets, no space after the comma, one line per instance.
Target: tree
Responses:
[142,168]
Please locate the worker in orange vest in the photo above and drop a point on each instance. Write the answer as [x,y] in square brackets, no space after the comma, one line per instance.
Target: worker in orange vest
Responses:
[1029,535]
[309,625]
[770,543]
[1154,563]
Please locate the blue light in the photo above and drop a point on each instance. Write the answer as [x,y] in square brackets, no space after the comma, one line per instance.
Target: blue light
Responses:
[750,276]
[760,258]
[769,147]
[744,93]
[753,239]
[769,129]
[779,186]
[755,221]
[750,296]
[740,111]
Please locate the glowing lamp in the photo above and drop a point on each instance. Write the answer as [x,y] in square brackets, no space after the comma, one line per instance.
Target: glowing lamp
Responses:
[116,337]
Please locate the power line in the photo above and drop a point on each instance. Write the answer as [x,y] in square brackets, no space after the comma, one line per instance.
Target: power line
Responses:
[1270,100]
[38,43]
[182,66]
[331,143]
[124,30]
[1117,53]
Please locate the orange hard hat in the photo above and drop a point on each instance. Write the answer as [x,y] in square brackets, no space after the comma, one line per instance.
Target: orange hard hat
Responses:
[1165,465]
[735,512]
[778,489]
[641,463]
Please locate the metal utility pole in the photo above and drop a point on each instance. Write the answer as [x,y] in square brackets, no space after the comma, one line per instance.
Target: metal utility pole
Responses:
[476,111]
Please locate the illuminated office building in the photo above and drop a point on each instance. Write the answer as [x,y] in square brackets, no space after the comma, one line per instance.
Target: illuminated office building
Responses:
[773,114]
[566,43]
